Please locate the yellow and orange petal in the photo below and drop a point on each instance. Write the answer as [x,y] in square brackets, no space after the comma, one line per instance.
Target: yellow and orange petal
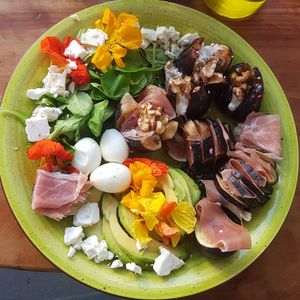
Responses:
[153,203]
[184,216]
[150,220]
[126,19]
[118,52]
[140,172]
[128,37]
[131,201]
[107,22]
[140,231]
[102,58]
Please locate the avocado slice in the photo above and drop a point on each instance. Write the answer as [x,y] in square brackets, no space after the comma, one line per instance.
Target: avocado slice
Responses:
[180,184]
[167,185]
[127,244]
[192,186]
[126,218]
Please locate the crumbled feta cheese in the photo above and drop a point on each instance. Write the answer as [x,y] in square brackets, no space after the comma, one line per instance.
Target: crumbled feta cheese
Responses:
[166,262]
[75,17]
[94,37]
[55,81]
[207,52]
[174,51]
[87,215]
[71,87]
[75,50]
[140,246]
[116,264]
[148,37]
[51,113]
[72,64]
[187,39]
[36,94]
[134,268]
[103,253]
[166,35]
[71,251]
[37,128]
[77,244]
[72,234]
[90,246]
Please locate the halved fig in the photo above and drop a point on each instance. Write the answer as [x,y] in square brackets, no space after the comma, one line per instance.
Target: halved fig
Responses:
[176,148]
[213,61]
[244,92]
[186,60]
[126,106]
[148,141]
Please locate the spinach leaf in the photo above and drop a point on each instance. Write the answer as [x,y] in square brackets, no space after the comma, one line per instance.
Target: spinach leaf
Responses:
[66,126]
[95,75]
[80,104]
[156,78]
[115,84]
[101,112]
[135,61]
[59,98]
[156,56]
[45,101]
[138,81]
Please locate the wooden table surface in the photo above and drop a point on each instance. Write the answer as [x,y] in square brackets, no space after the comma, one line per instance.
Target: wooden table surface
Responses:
[275,33]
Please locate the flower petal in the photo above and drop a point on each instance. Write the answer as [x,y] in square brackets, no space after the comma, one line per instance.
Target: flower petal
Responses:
[140,172]
[167,230]
[167,208]
[140,231]
[107,23]
[147,187]
[150,220]
[153,203]
[126,19]
[102,58]
[130,200]
[81,74]
[118,52]
[184,215]
[129,37]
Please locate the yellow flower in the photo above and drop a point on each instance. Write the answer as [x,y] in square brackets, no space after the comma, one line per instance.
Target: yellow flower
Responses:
[140,231]
[123,34]
[184,216]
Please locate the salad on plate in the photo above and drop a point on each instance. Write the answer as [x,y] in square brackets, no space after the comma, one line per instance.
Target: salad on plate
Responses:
[148,139]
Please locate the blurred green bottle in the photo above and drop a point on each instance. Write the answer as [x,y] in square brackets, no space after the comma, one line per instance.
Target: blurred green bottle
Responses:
[234,9]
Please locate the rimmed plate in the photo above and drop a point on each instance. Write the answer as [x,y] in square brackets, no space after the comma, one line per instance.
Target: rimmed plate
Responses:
[202,271]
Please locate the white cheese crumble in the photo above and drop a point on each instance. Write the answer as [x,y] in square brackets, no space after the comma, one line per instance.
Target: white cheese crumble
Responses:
[72,234]
[94,37]
[87,215]
[75,50]
[75,17]
[207,52]
[72,64]
[71,251]
[51,113]
[166,262]
[95,250]
[134,268]
[37,128]
[140,246]
[36,94]
[116,264]
[55,81]
[187,39]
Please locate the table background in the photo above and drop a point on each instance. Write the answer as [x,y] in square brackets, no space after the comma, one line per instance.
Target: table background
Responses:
[275,33]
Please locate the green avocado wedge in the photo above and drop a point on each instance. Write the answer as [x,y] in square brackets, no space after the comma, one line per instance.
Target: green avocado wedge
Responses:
[200,272]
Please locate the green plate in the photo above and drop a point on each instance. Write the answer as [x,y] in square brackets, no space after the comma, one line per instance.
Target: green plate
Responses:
[202,271]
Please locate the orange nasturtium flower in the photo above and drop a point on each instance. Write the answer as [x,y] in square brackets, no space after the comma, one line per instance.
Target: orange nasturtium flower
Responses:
[123,33]
[49,152]
[152,208]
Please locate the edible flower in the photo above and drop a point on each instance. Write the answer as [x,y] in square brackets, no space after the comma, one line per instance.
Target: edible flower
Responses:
[123,33]
[167,219]
[158,168]
[52,46]
[50,152]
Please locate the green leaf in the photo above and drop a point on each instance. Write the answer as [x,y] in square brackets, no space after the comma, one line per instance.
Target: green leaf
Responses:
[115,84]
[135,61]
[80,104]
[58,98]
[156,78]
[45,101]
[64,126]
[138,81]
[101,112]
[156,56]
[95,75]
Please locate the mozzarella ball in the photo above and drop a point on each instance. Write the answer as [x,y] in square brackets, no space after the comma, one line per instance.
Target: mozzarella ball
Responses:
[113,146]
[87,155]
[111,178]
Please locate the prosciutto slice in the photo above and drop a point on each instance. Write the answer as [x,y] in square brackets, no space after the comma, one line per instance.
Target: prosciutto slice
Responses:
[214,229]
[58,195]
[261,131]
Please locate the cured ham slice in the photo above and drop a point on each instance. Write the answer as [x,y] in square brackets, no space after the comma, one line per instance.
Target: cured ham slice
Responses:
[157,97]
[57,195]
[214,229]
[261,131]
[214,196]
